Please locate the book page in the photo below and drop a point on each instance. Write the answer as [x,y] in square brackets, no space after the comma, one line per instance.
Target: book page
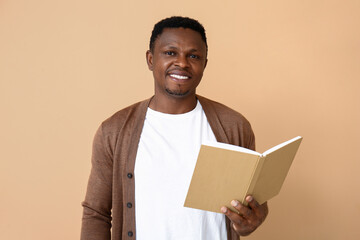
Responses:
[273,149]
[230,147]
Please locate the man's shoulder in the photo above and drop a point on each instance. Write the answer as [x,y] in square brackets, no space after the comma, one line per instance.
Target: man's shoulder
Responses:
[222,111]
[229,126]
[128,115]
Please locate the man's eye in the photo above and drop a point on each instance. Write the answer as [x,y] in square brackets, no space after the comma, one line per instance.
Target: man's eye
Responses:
[170,53]
[194,56]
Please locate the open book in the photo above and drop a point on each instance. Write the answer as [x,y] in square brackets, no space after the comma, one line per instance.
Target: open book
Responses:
[224,172]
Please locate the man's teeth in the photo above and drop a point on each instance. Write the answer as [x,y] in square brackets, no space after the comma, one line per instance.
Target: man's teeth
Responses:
[178,76]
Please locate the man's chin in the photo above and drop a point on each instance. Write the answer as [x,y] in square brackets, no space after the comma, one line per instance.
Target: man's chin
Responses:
[177,93]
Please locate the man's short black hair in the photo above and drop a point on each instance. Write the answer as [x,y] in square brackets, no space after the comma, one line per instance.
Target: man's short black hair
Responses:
[176,22]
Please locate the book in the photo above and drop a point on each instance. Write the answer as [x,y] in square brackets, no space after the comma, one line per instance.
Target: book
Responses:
[225,172]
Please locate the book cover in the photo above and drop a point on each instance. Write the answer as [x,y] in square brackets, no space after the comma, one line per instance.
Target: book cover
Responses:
[224,172]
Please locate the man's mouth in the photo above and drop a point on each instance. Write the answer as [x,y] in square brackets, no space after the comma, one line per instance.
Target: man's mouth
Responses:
[180,77]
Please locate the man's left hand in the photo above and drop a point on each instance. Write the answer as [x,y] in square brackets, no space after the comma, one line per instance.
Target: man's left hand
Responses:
[248,218]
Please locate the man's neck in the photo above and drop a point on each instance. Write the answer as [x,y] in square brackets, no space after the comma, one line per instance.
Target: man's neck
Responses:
[172,105]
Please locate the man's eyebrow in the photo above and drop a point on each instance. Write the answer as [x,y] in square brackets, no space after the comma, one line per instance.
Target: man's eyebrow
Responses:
[194,50]
[169,47]
[175,48]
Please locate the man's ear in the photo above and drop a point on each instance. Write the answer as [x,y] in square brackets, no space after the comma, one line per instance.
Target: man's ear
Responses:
[205,63]
[149,59]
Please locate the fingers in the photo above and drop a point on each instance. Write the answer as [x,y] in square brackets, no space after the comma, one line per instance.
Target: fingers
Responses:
[260,211]
[253,211]
[247,218]
[238,222]
[242,210]
[252,202]
[234,217]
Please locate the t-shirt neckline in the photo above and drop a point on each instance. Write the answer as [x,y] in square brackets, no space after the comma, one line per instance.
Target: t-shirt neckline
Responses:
[181,115]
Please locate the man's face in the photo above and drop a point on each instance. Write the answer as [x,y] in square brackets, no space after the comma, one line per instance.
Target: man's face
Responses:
[177,61]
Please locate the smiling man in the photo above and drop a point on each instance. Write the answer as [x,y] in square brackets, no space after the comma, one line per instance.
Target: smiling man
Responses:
[144,155]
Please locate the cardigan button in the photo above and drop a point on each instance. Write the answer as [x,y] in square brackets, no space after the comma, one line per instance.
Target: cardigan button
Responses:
[129,175]
[130,233]
[129,205]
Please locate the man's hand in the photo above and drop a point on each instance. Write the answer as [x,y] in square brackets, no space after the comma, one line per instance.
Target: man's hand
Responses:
[248,218]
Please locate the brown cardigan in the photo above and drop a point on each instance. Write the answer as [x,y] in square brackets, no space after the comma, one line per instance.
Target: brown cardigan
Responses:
[110,193]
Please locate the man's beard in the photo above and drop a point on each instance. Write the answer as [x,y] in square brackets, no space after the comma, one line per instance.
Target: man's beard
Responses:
[176,93]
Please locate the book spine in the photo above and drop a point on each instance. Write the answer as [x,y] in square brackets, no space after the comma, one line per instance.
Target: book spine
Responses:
[254,178]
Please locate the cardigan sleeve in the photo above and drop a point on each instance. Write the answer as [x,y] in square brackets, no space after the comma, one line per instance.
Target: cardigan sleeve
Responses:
[96,220]
[251,139]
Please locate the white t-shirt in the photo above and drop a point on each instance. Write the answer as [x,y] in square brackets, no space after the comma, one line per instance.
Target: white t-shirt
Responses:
[165,161]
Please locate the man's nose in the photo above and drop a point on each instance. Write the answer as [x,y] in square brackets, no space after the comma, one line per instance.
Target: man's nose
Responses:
[182,61]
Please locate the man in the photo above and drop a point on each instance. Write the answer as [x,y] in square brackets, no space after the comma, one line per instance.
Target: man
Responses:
[144,155]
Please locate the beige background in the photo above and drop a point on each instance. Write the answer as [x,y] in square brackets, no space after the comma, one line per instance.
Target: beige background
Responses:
[291,67]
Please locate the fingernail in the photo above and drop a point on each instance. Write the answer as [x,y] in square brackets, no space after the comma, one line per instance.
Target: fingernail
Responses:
[234,203]
[224,209]
[249,198]
[233,225]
